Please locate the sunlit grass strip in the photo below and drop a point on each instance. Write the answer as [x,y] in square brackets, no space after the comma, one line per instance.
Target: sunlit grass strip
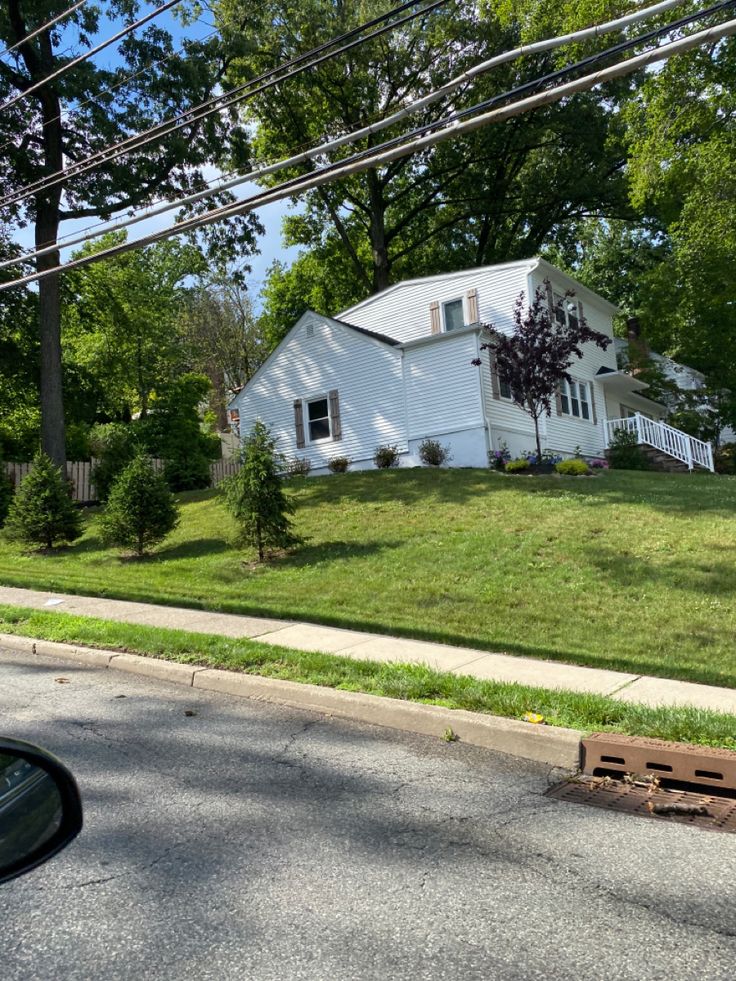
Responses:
[410,682]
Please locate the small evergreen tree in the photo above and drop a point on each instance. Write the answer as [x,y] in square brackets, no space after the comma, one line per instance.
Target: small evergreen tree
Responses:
[141,510]
[6,492]
[42,512]
[255,495]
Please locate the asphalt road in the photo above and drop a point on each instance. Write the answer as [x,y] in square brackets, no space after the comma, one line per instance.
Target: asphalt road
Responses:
[249,841]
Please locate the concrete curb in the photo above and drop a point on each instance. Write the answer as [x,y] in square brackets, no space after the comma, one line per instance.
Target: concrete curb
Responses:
[542,744]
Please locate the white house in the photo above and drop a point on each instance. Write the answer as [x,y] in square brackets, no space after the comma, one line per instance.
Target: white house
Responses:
[397,369]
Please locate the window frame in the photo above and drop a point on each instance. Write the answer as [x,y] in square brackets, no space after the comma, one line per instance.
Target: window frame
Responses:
[308,421]
[445,305]
[578,394]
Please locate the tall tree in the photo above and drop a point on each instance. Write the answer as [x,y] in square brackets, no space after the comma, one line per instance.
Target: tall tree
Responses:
[498,194]
[90,107]
[222,338]
[122,317]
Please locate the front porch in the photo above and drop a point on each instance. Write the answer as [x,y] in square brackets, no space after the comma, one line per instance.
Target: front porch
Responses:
[666,440]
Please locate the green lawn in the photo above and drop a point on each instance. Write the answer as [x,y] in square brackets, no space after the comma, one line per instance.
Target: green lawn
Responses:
[411,682]
[631,571]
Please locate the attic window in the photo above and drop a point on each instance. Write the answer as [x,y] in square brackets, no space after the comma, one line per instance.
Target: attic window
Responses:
[453,314]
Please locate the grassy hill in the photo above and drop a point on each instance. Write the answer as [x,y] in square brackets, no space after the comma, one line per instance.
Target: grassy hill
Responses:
[631,571]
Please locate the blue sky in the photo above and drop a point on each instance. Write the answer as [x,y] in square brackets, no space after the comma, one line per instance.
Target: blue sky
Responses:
[270,244]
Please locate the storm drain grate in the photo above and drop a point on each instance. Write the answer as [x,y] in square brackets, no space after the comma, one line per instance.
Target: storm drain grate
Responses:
[698,809]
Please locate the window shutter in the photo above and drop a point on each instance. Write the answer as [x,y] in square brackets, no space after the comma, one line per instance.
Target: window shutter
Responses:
[299,422]
[434,317]
[335,424]
[581,315]
[558,401]
[495,386]
[473,315]
[593,413]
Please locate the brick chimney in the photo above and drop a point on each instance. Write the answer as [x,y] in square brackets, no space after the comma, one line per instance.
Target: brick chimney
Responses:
[638,347]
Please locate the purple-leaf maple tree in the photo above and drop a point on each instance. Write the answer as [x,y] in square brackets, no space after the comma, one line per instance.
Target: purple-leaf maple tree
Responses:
[536,358]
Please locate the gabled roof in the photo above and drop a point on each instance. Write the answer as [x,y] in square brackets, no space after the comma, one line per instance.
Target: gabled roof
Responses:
[384,338]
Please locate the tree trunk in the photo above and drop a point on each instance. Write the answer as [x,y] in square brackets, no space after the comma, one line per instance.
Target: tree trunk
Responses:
[379,246]
[536,436]
[49,313]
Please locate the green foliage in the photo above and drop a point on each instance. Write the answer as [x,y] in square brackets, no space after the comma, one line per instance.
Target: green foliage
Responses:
[113,445]
[517,466]
[433,454]
[173,432]
[42,511]
[572,468]
[725,459]
[624,452]
[255,496]
[7,489]
[386,457]
[141,510]
[339,464]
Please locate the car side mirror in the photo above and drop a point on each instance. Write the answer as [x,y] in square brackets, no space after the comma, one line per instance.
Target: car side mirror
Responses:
[40,807]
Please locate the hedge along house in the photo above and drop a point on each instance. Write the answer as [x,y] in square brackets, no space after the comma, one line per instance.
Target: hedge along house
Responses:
[397,369]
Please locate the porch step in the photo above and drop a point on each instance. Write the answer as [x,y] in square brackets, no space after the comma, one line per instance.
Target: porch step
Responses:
[663,461]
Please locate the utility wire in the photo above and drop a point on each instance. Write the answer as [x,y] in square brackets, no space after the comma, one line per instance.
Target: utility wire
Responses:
[410,109]
[380,157]
[235,96]
[87,54]
[44,27]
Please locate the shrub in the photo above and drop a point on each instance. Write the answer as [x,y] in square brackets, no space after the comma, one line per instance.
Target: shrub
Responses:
[42,512]
[141,510]
[174,432]
[518,466]
[114,446]
[300,466]
[573,468]
[624,452]
[433,454]
[598,464]
[7,489]
[339,464]
[497,459]
[547,459]
[386,457]
[255,495]
[725,458]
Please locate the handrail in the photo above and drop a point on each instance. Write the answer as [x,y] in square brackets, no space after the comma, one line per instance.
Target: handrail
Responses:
[667,439]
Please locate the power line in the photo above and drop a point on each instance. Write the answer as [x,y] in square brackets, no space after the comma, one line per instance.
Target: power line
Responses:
[88,54]
[44,27]
[380,157]
[225,101]
[411,108]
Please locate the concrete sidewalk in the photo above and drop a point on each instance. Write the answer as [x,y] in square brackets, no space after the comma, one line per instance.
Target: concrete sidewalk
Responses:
[377,647]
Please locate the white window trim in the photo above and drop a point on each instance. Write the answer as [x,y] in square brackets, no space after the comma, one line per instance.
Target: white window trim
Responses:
[444,304]
[567,394]
[308,441]
[566,302]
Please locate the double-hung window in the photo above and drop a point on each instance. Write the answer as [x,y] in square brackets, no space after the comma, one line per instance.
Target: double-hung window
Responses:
[565,311]
[453,314]
[575,399]
[318,419]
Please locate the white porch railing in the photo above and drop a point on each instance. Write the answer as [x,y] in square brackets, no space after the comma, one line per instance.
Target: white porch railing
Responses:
[667,439]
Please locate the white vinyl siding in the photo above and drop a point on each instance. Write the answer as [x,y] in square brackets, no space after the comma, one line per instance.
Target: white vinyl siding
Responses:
[403,311]
[307,366]
[442,390]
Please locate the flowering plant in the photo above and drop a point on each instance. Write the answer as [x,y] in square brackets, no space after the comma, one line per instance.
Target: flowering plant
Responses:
[497,459]
[547,458]
[598,464]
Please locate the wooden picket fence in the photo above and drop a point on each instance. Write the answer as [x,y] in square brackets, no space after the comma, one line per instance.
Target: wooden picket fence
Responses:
[79,475]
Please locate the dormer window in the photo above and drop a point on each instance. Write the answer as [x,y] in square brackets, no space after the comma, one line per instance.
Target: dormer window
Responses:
[453,315]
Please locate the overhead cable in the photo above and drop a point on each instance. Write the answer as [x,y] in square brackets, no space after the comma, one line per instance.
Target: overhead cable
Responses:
[87,54]
[411,108]
[381,157]
[44,27]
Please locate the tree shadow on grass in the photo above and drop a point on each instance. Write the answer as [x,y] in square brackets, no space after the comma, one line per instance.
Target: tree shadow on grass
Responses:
[194,549]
